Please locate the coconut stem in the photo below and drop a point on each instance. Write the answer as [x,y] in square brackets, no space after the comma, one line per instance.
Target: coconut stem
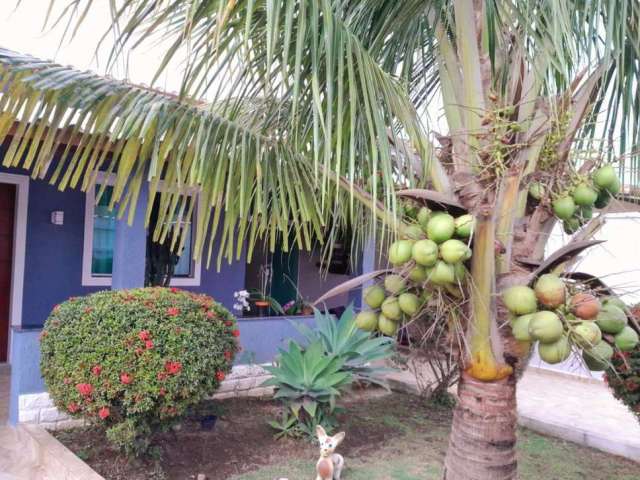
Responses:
[483,364]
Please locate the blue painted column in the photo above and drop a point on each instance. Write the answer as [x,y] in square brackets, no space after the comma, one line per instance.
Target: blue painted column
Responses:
[130,247]
[368,262]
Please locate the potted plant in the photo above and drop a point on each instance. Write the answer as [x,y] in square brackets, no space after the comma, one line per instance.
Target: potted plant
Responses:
[264,302]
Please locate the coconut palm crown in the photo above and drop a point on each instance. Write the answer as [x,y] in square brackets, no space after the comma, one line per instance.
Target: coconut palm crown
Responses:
[313,120]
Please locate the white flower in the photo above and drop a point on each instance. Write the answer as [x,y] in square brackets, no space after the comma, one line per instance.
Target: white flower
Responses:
[238,307]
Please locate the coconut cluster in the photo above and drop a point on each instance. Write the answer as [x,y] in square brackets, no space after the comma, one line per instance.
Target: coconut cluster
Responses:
[431,253]
[575,206]
[562,317]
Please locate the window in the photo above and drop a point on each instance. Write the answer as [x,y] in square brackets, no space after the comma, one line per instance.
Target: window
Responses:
[99,235]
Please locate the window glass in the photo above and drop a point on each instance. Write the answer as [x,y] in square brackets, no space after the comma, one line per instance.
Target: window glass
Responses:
[104,229]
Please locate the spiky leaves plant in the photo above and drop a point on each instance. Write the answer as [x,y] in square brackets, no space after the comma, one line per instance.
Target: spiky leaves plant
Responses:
[311,99]
[358,349]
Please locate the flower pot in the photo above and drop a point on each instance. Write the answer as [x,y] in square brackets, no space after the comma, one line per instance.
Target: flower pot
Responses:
[263,307]
[208,422]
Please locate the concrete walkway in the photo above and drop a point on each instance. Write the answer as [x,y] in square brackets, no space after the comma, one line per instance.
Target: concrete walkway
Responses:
[581,410]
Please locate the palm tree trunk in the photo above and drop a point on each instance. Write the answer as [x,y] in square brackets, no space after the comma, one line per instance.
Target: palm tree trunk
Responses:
[483,433]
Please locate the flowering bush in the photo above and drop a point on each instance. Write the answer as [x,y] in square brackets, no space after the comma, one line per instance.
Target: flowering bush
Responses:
[133,361]
[623,375]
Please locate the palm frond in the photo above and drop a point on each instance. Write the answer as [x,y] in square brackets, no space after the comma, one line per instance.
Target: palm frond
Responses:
[67,126]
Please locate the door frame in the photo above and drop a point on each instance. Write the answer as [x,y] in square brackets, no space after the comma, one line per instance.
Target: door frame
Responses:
[21,183]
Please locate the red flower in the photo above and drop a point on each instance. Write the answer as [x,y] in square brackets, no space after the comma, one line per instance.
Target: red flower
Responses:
[228,323]
[173,368]
[174,290]
[228,355]
[125,378]
[84,389]
[56,308]
[210,314]
[148,344]
[103,413]
[162,375]
[162,392]
[73,407]
[235,333]
[88,310]
[43,334]
[220,376]
[139,351]
[144,335]
[178,330]
[66,380]
[173,311]
[96,370]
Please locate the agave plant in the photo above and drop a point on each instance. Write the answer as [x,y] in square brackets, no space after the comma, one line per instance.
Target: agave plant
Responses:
[308,382]
[358,349]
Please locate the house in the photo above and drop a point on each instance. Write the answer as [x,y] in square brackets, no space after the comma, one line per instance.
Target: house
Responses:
[59,244]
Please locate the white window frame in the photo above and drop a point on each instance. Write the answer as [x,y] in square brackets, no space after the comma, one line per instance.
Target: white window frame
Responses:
[90,280]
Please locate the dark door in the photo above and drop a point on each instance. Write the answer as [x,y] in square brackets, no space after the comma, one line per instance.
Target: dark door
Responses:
[7,207]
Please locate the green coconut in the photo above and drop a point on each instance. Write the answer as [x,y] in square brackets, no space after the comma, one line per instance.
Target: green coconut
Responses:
[520,300]
[611,318]
[442,274]
[391,308]
[626,339]
[367,320]
[459,272]
[413,232]
[584,214]
[546,327]
[424,214]
[555,352]
[550,290]
[409,303]
[564,207]
[464,225]
[417,274]
[614,188]
[536,190]
[441,227]
[571,225]
[598,357]
[615,301]
[394,283]
[374,296]
[584,195]
[386,326]
[411,211]
[425,252]
[587,334]
[520,327]
[605,176]
[604,197]
[452,251]
[400,252]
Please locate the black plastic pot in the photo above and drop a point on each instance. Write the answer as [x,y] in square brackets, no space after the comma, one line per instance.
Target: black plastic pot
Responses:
[208,422]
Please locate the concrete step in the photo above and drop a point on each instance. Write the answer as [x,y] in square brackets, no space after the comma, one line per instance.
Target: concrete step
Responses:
[28,452]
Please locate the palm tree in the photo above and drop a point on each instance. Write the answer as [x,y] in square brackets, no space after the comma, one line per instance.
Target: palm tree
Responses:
[308,100]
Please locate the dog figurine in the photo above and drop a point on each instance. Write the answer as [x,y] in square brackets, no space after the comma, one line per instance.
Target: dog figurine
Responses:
[330,465]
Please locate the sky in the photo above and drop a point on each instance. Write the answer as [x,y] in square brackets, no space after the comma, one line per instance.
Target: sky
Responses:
[22,30]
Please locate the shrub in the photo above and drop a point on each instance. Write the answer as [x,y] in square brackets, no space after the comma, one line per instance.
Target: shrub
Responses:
[133,361]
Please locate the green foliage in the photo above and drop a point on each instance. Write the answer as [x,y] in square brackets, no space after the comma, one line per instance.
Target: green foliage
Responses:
[308,382]
[356,348]
[133,361]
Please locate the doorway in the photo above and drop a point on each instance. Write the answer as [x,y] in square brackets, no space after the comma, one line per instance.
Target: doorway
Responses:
[7,220]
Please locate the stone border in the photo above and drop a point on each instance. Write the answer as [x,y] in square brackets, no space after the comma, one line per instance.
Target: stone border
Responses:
[243,381]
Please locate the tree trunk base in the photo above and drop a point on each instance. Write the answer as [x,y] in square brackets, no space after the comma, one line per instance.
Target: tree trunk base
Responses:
[483,433]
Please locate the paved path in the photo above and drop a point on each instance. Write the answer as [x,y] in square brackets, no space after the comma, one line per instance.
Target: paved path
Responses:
[578,409]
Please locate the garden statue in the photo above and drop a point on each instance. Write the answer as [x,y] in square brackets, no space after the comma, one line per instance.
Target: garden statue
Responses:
[330,465]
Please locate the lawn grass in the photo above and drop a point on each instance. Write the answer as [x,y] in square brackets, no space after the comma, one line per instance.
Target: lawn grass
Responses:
[417,444]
